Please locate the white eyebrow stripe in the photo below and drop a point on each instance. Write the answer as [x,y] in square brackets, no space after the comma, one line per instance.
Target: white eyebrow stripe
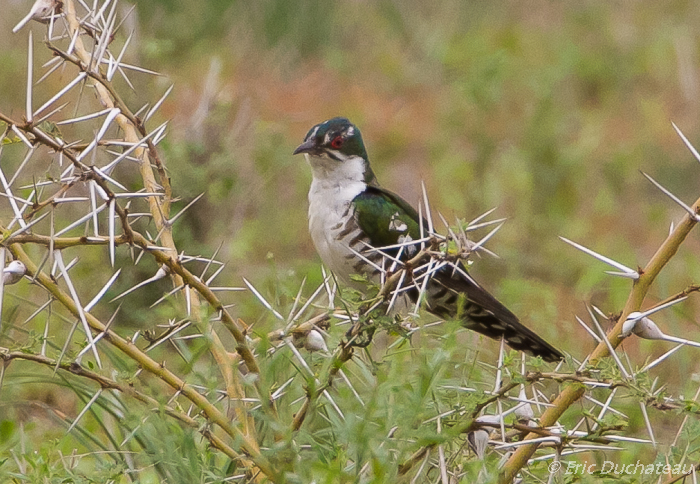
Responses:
[313,133]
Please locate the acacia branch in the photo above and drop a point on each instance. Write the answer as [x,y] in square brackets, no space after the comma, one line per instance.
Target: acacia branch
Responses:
[344,351]
[235,327]
[131,126]
[248,445]
[572,393]
[160,210]
[64,242]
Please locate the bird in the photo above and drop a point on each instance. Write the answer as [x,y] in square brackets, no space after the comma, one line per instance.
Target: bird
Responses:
[350,214]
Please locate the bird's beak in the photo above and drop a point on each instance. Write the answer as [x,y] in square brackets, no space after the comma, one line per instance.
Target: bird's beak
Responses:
[305,147]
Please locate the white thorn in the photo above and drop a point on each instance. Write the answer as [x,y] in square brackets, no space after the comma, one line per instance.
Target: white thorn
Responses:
[632,273]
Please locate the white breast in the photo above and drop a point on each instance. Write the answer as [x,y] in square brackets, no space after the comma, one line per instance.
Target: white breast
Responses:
[333,188]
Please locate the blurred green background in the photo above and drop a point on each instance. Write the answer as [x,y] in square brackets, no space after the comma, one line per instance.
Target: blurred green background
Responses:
[546,110]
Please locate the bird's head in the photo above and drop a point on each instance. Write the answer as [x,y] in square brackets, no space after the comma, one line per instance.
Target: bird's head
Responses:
[334,148]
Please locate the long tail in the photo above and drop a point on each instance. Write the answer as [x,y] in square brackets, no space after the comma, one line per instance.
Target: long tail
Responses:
[483,313]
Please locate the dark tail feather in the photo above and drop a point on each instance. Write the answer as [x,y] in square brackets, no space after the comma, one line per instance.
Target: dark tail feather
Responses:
[483,313]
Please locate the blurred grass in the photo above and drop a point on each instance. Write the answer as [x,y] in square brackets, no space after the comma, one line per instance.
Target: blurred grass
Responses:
[547,110]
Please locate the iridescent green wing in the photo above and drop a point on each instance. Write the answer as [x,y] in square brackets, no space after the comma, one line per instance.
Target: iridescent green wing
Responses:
[386,218]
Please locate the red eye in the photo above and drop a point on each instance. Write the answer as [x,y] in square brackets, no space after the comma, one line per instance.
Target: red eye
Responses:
[337,142]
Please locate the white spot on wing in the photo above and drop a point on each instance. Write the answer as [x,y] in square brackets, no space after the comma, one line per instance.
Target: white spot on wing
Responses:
[397,224]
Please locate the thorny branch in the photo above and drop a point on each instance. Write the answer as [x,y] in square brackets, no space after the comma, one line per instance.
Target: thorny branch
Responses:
[160,211]
[160,207]
[248,445]
[344,351]
[640,288]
